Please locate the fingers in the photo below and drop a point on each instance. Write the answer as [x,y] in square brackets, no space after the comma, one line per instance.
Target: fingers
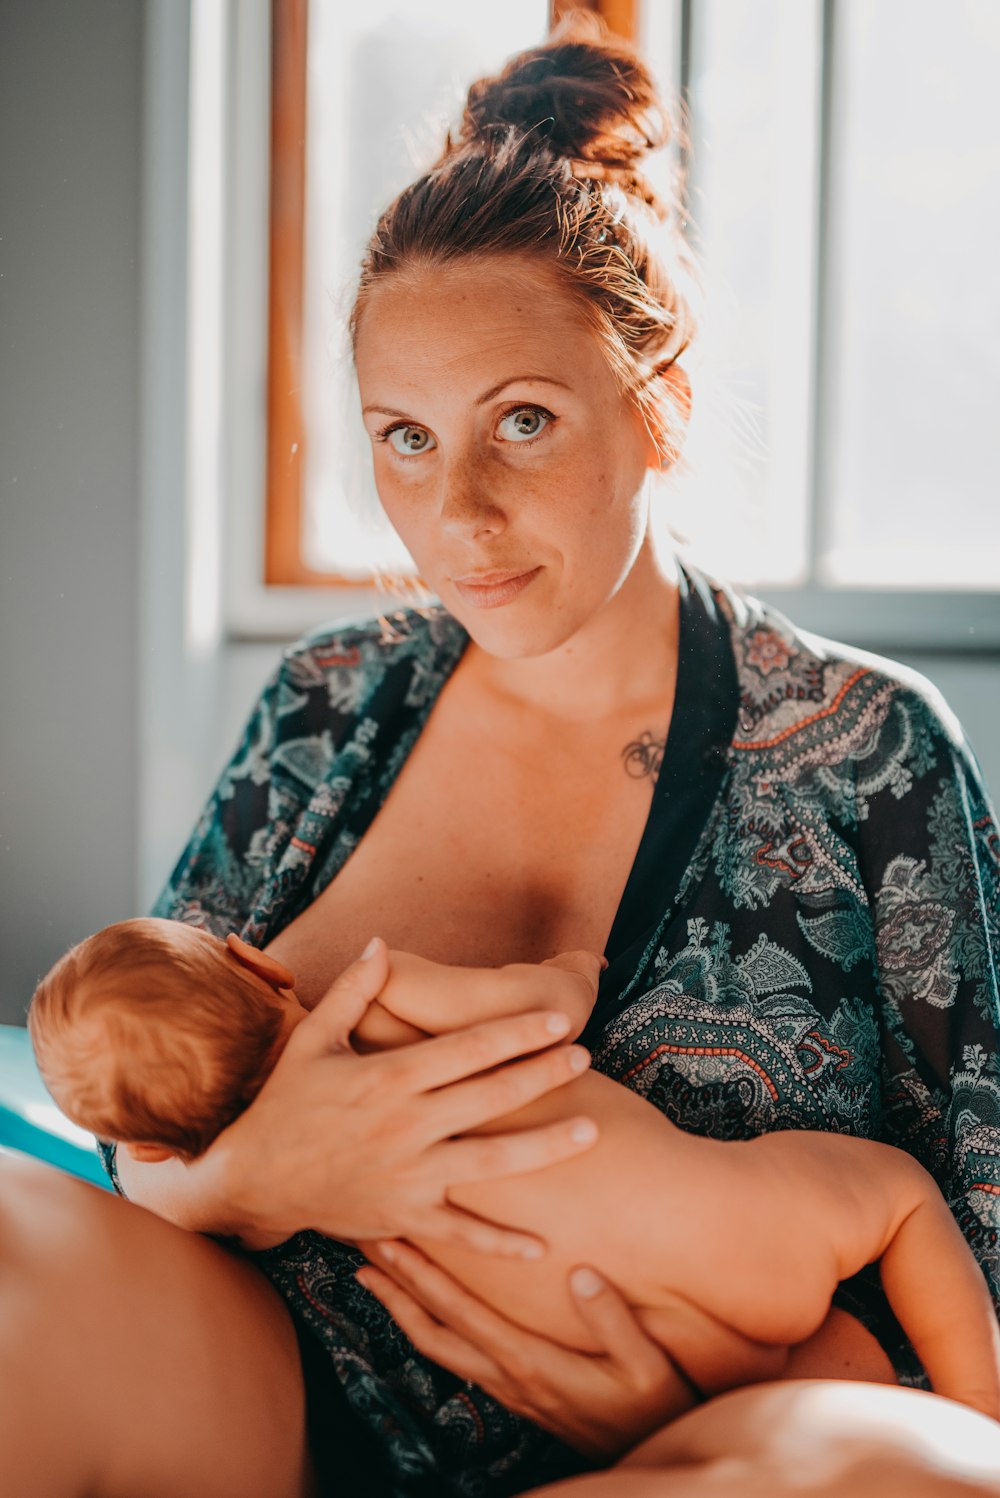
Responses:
[454,1225]
[452,1309]
[489,1159]
[346,1001]
[427,1335]
[466,1105]
[616,1330]
[464,1053]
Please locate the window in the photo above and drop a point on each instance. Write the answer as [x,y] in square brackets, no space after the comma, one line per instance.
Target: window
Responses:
[844,190]
[384,83]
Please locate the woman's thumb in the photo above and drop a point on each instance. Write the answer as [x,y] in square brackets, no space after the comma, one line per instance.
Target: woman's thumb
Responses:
[342,1007]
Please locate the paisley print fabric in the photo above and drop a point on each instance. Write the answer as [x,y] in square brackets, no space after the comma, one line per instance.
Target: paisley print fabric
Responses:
[809,938]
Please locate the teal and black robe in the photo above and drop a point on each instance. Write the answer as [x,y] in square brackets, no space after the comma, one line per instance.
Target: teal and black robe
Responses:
[809,938]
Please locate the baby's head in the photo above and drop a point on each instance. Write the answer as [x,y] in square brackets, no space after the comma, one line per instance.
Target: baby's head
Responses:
[158,1035]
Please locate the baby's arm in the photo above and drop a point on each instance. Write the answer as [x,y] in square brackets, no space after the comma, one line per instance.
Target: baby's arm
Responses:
[430,998]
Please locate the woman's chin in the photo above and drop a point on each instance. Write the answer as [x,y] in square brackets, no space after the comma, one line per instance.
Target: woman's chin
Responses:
[517,630]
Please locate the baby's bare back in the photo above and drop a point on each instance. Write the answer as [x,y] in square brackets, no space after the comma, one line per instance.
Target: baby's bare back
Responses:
[727,1251]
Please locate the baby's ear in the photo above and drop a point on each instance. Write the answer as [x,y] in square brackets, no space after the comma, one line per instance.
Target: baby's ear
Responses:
[260,963]
[147,1152]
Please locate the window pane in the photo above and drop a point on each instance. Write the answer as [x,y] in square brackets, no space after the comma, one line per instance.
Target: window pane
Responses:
[755,91]
[385,79]
[911,450]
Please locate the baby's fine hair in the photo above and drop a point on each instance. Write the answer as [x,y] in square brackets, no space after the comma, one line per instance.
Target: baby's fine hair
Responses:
[546,164]
[142,1039]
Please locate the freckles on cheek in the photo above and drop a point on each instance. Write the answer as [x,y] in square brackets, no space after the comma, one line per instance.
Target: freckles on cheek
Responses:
[601,496]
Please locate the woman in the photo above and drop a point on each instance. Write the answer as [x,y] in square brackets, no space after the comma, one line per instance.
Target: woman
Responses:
[784,853]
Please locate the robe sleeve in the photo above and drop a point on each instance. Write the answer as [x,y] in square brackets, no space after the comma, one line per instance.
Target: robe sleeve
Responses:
[929,854]
[214,880]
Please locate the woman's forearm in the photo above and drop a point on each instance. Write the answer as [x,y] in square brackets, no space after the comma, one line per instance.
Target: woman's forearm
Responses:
[192,1196]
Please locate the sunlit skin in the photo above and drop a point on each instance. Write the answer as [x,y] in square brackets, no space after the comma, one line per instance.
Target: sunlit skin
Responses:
[503,443]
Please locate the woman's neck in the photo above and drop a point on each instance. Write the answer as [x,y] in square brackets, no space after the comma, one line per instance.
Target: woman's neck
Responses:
[623,657]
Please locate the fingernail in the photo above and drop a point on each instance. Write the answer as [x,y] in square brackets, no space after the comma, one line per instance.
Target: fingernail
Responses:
[532,1251]
[584,1131]
[586,1283]
[387,1251]
[370,950]
[579,1059]
[557,1024]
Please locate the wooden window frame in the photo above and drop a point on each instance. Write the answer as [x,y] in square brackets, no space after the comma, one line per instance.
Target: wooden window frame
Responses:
[284,513]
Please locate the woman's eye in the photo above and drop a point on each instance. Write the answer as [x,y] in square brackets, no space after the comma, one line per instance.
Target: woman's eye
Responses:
[523,424]
[408,440]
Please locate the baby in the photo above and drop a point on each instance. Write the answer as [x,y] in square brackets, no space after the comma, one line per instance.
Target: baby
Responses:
[157,1034]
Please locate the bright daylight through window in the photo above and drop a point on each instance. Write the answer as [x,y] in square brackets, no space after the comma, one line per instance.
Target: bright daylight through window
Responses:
[844,207]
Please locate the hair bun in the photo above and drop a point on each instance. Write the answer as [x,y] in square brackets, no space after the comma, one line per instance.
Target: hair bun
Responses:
[590,97]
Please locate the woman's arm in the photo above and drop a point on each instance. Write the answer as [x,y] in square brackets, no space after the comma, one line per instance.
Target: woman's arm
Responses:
[929,854]
[340,1142]
[358,1146]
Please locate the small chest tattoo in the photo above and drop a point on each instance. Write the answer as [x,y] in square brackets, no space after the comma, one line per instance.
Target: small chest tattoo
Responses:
[644,756]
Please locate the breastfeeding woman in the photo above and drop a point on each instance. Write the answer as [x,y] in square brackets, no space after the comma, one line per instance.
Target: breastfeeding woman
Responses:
[784,852]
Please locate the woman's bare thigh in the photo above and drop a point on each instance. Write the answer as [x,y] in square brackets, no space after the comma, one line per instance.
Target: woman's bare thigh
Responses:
[821,1438]
[136,1358]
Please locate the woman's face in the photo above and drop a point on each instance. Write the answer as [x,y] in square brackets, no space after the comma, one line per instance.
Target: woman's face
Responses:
[505,454]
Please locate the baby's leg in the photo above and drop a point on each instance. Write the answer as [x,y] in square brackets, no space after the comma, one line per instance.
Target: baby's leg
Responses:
[136,1358]
[940,1297]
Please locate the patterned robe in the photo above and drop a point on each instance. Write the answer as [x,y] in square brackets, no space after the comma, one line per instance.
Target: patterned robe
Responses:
[809,938]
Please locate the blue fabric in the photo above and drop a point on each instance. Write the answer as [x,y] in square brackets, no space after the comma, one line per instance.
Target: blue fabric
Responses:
[809,938]
[30,1123]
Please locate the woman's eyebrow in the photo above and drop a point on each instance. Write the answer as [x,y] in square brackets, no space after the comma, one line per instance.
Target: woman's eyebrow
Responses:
[527,379]
[487,395]
[384,411]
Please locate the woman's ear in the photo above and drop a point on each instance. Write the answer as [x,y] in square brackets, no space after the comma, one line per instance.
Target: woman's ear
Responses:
[669,412]
[260,963]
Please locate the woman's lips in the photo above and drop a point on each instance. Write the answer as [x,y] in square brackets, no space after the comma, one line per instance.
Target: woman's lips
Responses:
[488,590]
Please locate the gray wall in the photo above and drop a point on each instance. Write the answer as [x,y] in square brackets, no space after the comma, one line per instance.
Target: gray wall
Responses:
[70,130]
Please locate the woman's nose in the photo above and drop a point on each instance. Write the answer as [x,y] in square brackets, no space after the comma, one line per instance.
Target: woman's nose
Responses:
[470,505]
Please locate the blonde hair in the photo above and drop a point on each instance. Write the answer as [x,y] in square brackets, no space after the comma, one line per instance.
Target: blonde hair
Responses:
[141,1037]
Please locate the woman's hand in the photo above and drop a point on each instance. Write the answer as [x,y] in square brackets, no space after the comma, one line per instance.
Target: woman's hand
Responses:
[364,1147]
[601,1405]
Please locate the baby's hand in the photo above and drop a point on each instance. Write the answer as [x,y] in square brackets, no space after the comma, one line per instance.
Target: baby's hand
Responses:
[578,996]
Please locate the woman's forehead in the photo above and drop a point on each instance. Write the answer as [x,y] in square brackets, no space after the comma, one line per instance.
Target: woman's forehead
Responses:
[477,322]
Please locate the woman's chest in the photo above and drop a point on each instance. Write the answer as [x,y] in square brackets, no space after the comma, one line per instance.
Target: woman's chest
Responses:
[487,850]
